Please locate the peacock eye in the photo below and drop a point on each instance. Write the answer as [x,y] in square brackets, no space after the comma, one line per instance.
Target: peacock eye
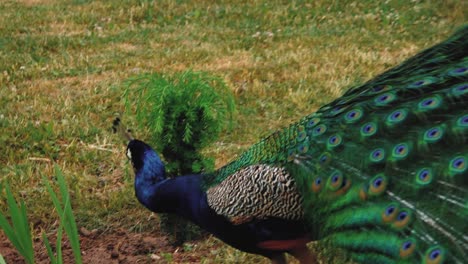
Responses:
[407,245]
[461,88]
[129,154]
[390,210]
[335,178]
[458,71]
[407,248]
[458,164]
[377,155]
[317,185]
[377,182]
[378,88]
[384,99]
[463,121]
[428,102]
[434,254]
[402,216]
[423,175]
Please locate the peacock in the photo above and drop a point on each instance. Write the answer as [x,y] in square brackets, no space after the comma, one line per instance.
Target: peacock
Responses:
[379,173]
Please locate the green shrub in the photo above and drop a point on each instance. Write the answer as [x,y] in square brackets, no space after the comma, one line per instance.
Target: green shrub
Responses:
[184,113]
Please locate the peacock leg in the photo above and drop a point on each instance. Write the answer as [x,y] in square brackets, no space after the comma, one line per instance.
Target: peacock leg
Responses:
[278,259]
[304,255]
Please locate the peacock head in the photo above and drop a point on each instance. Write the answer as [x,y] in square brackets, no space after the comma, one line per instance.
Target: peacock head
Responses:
[136,153]
[144,159]
[140,154]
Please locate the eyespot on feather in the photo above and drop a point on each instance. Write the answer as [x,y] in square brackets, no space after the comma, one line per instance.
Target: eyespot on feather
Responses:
[422,82]
[301,136]
[334,141]
[313,122]
[345,186]
[434,255]
[458,71]
[380,88]
[429,103]
[459,90]
[319,130]
[368,129]
[378,185]
[457,165]
[433,134]
[317,185]
[385,99]
[389,213]
[335,181]
[396,117]
[324,159]
[353,115]
[407,248]
[303,148]
[403,219]
[424,176]
[463,121]
[400,151]
[377,155]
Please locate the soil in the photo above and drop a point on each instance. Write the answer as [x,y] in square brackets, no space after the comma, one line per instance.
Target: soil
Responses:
[117,247]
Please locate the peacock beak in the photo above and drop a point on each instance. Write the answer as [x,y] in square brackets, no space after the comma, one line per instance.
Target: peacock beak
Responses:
[118,127]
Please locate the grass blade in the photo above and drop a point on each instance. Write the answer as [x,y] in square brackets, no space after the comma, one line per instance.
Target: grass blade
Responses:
[53,196]
[25,231]
[70,228]
[65,212]
[9,232]
[2,260]
[19,232]
[58,246]
[50,253]
[68,217]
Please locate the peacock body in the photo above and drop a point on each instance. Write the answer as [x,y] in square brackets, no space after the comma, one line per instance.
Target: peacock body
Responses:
[380,172]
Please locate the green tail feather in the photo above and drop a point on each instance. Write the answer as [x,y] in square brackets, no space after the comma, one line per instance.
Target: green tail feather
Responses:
[383,169]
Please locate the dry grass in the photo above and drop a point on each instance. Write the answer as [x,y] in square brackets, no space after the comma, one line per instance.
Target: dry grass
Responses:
[63,64]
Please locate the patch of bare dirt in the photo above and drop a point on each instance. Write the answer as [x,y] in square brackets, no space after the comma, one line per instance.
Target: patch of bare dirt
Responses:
[117,247]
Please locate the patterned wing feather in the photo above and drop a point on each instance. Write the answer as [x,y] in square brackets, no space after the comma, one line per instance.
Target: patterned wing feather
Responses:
[265,191]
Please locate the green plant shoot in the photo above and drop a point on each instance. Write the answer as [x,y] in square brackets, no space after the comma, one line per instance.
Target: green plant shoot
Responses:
[65,212]
[18,232]
[184,113]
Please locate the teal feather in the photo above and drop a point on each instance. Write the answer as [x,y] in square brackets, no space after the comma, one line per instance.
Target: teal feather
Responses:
[383,170]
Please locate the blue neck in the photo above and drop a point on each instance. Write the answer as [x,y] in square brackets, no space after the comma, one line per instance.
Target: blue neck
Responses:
[148,175]
[180,195]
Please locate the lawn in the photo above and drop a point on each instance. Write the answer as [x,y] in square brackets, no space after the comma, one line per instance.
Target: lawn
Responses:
[64,65]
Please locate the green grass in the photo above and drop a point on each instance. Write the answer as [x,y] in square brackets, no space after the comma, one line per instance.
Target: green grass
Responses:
[67,220]
[63,64]
[19,232]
